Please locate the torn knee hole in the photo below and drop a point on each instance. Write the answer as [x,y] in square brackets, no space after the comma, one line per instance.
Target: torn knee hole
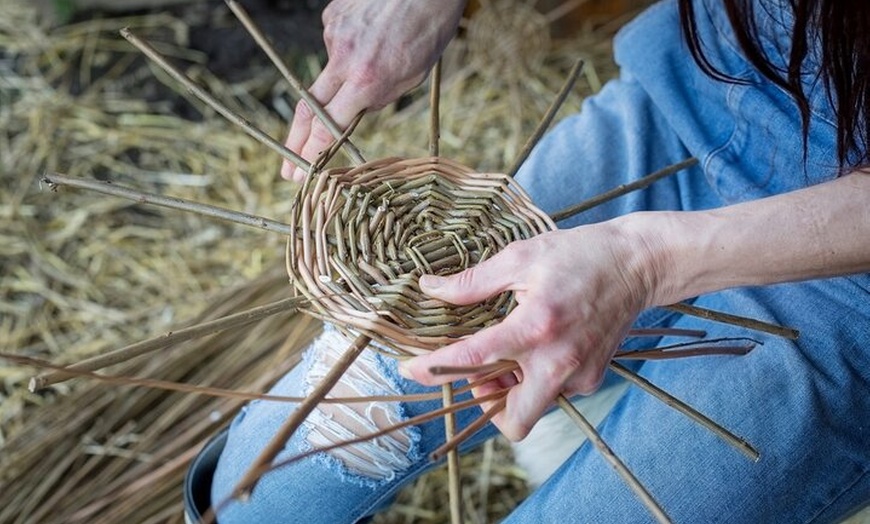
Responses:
[329,424]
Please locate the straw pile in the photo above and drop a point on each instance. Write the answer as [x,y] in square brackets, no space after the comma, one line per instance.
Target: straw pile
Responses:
[83,274]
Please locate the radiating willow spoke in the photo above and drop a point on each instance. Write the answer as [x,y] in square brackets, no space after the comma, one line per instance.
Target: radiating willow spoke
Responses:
[469,430]
[701,351]
[589,430]
[705,421]
[212,102]
[279,440]
[435,109]
[735,320]
[209,391]
[497,396]
[298,89]
[662,332]
[107,188]
[326,156]
[623,190]
[454,478]
[168,339]
[693,414]
[545,122]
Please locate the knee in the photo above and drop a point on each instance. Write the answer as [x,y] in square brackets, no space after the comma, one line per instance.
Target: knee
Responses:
[376,459]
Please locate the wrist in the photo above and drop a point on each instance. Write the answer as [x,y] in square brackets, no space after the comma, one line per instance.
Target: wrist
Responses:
[667,254]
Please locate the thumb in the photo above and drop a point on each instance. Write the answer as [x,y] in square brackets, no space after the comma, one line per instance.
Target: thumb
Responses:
[469,286]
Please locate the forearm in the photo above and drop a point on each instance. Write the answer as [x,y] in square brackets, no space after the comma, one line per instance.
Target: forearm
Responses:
[817,232]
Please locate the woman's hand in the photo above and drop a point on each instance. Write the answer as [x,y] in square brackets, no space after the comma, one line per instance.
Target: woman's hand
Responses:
[578,293]
[377,50]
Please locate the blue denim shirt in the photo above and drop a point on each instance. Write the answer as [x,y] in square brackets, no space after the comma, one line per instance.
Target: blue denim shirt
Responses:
[748,137]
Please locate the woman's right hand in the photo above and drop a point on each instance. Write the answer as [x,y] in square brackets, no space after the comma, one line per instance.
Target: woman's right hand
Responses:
[377,50]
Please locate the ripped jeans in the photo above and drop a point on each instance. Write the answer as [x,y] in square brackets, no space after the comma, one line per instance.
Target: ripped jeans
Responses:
[804,404]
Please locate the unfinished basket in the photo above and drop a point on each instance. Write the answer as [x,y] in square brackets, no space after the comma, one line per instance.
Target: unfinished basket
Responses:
[366,234]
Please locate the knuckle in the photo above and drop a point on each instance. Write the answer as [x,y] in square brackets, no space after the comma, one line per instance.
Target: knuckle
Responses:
[319,133]
[518,251]
[467,278]
[338,48]
[553,371]
[366,78]
[469,356]
[588,383]
[545,325]
[303,111]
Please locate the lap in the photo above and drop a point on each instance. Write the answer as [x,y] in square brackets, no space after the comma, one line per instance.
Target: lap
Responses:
[802,404]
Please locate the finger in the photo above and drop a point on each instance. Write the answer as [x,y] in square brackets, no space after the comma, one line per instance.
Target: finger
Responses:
[500,342]
[323,89]
[500,273]
[527,402]
[344,107]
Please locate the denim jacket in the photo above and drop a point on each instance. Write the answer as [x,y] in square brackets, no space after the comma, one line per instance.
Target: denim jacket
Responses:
[748,136]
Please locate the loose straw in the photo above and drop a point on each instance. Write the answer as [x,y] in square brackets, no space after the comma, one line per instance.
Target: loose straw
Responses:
[170,338]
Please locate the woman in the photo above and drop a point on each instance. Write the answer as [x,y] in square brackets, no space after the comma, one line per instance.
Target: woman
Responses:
[773,98]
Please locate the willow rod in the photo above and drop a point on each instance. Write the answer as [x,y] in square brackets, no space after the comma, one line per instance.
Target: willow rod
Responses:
[413,421]
[728,318]
[639,490]
[252,476]
[686,309]
[340,141]
[623,189]
[454,477]
[210,391]
[167,339]
[544,124]
[352,151]
[469,430]
[435,109]
[317,108]
[108,188]
[687,410]
[212,102]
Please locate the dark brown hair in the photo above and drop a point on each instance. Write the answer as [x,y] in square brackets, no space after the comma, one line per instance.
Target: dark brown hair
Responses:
[840,29]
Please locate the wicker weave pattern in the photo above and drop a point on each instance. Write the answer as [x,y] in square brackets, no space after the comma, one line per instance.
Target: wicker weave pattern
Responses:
[364,235]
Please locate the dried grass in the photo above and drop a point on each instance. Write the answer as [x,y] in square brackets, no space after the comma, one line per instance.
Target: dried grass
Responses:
[83,274]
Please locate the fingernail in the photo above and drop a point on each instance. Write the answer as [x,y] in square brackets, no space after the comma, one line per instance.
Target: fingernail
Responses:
[431,281]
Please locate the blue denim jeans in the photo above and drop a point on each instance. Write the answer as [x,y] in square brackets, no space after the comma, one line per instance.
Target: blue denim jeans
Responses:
[804,404]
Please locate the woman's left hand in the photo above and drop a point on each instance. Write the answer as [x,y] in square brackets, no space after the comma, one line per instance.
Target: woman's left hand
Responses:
[578,292]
